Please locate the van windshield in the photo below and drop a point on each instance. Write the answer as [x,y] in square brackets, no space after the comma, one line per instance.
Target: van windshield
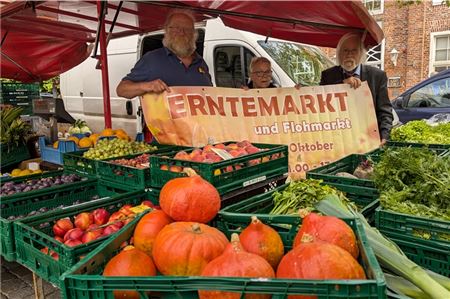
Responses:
[302,63]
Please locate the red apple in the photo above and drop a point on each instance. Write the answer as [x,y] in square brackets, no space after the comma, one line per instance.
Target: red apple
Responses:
[74,234]
[148,203]
[54,255]
[95,228]
[164,167]
[244,143]
[62,226]
[116,216]
[59,239]
[110,229]
[72,243]
[252,150]
[220,146]
[100,216]
[91,236]
[175,168]
[83,220]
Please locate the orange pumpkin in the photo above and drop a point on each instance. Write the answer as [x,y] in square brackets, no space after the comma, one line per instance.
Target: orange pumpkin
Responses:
[190,199]
[328,229]
[148,228]
[236,262]
[185,248]
[129,262]
[261,239]
[318,260]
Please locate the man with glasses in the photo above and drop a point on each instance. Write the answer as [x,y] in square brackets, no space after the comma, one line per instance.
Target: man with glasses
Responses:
[175,64]
[260,74]
[350,54]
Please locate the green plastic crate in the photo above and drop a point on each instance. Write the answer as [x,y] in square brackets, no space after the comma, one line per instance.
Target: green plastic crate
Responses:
[217,173]
[408,231]
[439,149]
[261,205]
[84,280]
[30,177]
[130,176]
[24,203]
[75,162]
[12,154]
[35,233]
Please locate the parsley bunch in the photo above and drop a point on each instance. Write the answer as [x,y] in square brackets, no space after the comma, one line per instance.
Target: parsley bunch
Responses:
[420,132]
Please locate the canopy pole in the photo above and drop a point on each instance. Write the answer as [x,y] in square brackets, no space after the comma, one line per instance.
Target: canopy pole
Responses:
[104,65]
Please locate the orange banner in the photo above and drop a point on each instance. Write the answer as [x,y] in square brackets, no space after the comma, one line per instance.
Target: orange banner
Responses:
[320,124]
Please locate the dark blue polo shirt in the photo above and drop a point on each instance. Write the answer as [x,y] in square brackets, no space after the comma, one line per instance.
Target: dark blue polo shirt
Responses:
[165,65]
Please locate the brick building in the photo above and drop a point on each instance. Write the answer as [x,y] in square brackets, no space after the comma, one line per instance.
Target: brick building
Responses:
[419,32]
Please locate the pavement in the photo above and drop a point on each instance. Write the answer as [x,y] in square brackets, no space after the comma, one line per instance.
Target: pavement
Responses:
[17,283]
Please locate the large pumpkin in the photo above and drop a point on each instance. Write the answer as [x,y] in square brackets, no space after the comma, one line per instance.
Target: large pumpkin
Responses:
[185,248]
[236,262]
[261,239]
[318,260]
[190,199]
[148,228]
[129,262]
[328,229]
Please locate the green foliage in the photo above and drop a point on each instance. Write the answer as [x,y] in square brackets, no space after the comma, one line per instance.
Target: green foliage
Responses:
[302,194]
[13,129]
[419,131]
[414,181]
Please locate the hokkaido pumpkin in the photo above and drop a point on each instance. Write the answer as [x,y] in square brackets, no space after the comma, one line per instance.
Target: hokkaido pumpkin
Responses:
[185,248]
[235,261]
[148,228]
[328,229]
[190,199]
[261,239]
[129,262]
[318,260]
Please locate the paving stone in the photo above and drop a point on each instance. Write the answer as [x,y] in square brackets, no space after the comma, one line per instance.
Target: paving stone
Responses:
[13,286]
[20,271]
[3,296]
[27,292]
[7,276]
[54,295]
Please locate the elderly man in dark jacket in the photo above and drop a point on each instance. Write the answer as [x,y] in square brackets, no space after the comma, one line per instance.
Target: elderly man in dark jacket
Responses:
[350,53]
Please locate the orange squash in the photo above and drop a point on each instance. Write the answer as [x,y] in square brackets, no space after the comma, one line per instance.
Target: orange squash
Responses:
[148,228]
[190,199]
[261,239]
[129,262]
[328,229]
[235,261]
[318,260]
[185,248]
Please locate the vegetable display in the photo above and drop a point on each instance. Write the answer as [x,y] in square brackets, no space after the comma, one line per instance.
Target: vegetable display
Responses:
[420,132]
[414,181]
[10,188]
[13,130]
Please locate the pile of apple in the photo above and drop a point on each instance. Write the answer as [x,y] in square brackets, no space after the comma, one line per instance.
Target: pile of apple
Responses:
[89,226]
[207,155]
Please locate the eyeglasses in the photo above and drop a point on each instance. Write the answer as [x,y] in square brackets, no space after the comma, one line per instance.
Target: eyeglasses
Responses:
[180,29]
[262,73]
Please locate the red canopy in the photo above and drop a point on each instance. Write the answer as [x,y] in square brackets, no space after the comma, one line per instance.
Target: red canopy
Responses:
[30,57]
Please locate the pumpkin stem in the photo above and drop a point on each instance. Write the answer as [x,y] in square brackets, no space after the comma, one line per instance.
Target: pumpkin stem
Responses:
[235,242]
[307,238]
[189,171]
[196,228]
[304,212]
[255,220]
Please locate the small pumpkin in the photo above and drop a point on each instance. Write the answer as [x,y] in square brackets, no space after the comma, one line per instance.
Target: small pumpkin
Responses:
[129,262]
[328,229]
[318,260]
[148,228]
[191,199]
[235,261]
[185,248]
[261,239]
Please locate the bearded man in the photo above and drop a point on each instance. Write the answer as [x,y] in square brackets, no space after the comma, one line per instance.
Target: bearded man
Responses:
[350,54]
[175,64]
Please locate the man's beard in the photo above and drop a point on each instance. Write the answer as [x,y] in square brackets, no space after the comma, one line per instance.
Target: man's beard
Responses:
[348,67]
[181,46]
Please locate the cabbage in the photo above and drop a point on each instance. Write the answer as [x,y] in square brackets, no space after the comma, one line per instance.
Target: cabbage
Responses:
[74,130]
[85,129]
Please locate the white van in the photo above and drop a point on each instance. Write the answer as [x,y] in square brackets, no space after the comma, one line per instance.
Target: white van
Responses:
[227,52]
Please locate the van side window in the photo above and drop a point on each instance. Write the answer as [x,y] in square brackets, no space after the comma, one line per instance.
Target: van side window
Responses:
[229,70]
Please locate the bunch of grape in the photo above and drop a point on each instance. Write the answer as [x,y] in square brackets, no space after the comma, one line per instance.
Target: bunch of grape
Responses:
[110,148]
[140,162]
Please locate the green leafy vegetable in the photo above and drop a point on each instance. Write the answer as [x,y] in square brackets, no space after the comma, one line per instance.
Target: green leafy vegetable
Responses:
[420,132]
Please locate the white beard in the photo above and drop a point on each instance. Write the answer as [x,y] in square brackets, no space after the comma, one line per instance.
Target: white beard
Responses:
[349,65]
[181,47]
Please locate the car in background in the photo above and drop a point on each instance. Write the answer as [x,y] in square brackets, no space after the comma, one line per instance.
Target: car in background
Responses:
[425,99]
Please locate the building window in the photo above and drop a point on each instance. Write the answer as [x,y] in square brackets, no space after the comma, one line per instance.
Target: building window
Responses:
[374,6]
[375,55]
[440,51]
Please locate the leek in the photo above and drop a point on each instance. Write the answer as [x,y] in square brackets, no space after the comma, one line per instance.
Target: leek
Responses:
[403,287]
[388,254]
